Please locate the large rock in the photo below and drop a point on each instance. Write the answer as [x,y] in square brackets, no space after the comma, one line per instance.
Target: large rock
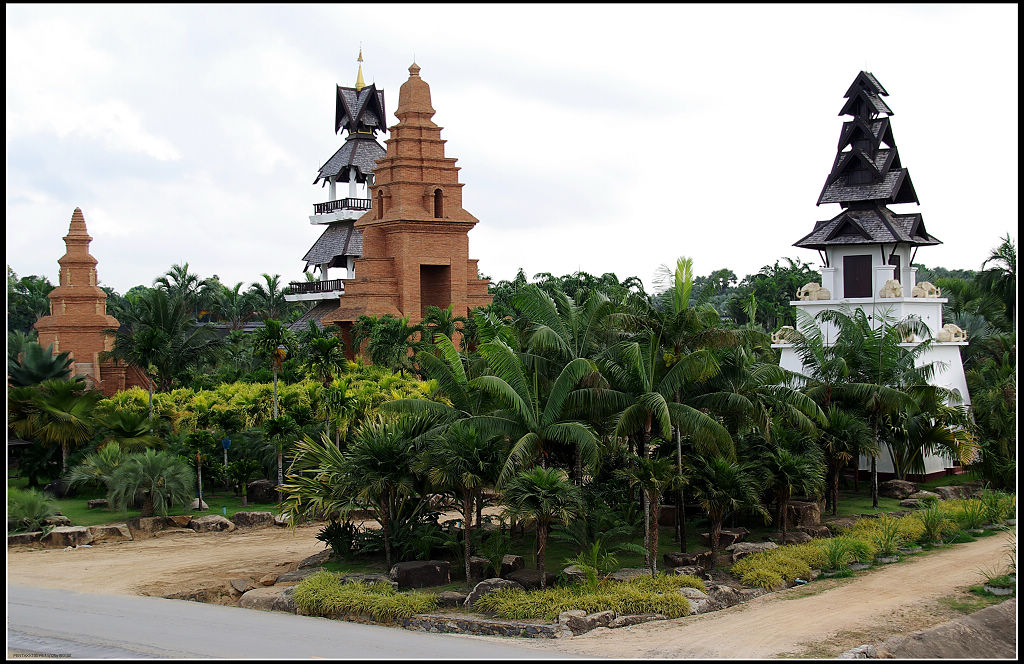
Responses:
[63,536]
[574,574]
[242,586]
[117,532]
[479,568]
[422,573]
[676,559]
[316,560]
[792,537]
[898,489]
[298,575]
[178,520]
[580,621]
[96,503]
[285,602]
[910,502]
[815,531]
[451,599]
[842,523]
[489,586]
[24,539]
[143,527]
[58,520]
[726,536]
[629,573]
[802,513]
[924,496]
[530,578]
[211,523]
[261,598]
[743,549]
[511,563]
[635,619]
[261,491]
[987,634]
[253,519]
[282,520]
[723,596]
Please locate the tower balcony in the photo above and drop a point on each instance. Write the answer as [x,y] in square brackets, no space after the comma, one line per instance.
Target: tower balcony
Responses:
[305,291]
[340,210]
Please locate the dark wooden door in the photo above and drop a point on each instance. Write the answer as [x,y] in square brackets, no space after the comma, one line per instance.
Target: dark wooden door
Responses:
[857,276]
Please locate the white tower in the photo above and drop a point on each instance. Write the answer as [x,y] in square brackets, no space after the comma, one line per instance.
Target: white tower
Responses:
[868,249]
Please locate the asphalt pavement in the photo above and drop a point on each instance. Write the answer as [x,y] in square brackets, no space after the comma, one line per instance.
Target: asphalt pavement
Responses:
[62,623]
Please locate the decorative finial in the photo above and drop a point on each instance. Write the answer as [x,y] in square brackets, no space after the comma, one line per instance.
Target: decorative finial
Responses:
[360,84]
[414,69]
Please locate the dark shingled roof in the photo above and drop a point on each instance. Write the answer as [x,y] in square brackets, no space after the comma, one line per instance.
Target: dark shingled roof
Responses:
[865,81]
[338,241]
[872,225]
[895,187]
[321,309]
[361,110]
[359,150]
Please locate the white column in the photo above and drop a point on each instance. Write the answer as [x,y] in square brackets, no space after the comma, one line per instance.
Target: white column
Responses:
[350,267]
[351,181]
[323,271]
[828,281]
[909,281]
[330,183]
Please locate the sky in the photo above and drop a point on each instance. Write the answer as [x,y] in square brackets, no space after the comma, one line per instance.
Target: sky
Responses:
[603,138]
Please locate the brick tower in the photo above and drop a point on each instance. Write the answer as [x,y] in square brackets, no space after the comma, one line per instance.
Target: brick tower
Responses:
[78,316]
[415,242]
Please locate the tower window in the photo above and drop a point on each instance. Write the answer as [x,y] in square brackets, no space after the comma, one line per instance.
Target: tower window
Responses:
[438,204]
[380,204]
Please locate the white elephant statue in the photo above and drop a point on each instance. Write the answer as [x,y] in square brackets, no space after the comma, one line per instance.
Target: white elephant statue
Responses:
[782,335]
[926,289]
[892,288]
[951,332]
[813,291]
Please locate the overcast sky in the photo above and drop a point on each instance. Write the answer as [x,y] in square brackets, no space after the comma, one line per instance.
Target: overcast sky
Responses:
[606,138]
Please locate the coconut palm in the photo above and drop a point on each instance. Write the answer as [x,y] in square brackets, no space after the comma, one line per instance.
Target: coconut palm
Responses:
[441,321]
[723,487]
[234,306]
[159,479]
[279,432]
[543,496]
[389,340]
[325,356]
[1001,278]
[36,364]
[267,298]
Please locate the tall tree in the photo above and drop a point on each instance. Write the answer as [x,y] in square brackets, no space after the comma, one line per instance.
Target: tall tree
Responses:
[268,298]
[1001,278]
[723,487]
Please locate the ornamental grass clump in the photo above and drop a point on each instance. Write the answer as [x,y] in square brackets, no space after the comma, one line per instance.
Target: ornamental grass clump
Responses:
[886,535]
[658,594]
[935,524]
[773,569]
[28,509]
[998,505]
[972,514]
[838,552]
[326,594]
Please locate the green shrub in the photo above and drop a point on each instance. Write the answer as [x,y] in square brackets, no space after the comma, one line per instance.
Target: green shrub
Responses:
[644,595]
[29,509]
[972,513]
[886,535]
[934,524]
[762,577]
[863,551]
[998,505]
[837,551]
[325,594]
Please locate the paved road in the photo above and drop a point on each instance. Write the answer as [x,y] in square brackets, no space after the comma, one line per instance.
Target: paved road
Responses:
[66,623]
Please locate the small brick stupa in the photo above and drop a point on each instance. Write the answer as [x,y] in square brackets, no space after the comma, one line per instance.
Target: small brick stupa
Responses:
[78,317]
[415,236]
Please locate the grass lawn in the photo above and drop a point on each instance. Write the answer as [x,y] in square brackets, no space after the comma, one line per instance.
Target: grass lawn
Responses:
[949,480]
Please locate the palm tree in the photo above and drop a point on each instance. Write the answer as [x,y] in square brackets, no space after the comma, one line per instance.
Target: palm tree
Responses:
[268,298]
[543,496]
[279,431]
[654,476]
[389,340]
[1001,278]
[37,364]
[132,432]
[234,306]
[723,487]
[787,472]
[272,341]
[160,479]
[181,284]
[241,471]
[462,461]
[929,426]
[559,329]
[441,321]
[324,357]
[63,415]
[844,438]
[99,466]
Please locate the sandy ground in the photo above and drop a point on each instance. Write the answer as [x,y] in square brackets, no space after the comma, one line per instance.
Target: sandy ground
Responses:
[821,620]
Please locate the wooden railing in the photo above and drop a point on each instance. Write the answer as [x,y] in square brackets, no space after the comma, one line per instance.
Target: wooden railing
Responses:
[343,204]
[303,287]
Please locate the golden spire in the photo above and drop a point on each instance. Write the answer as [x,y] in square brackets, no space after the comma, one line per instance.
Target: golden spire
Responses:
[360,84]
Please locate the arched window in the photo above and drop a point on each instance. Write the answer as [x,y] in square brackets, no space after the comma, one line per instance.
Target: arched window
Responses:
[380,204]
[438,204]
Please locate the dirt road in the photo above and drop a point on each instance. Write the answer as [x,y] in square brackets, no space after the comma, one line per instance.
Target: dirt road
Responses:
[822,619]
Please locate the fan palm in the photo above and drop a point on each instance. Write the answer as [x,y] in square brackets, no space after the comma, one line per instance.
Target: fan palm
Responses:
[98,466]
[787,472]
[723,487]
[37,364]
[543,496]
[160,479]
[63,415]
[132,432]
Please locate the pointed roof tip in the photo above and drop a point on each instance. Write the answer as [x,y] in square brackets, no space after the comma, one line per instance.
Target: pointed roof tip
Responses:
[414,69]
[77,226]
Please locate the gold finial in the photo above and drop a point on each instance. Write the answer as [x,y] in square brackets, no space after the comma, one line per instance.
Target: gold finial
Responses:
[360,84]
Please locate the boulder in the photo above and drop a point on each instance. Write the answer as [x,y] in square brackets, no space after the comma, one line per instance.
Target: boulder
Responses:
[261,491]
[24,539]
[910,502]
[63,536]
[285,602]
[316,560]
[171,532]
[693,593]
[924,496]
[253,519]
[242,586]
[422,573]
[675,559]
[743,549]
[511,563]
[629,573]
[866,651]
[574,574]
[792,537]
[747,594]
[898,489]
[689,570]
[260,598]
[841,523]
[368,578]
[268,579]
[947,492]
[723,596]
[488,586]
[298,575]
[199,504]
[282,520]
[451,599]
[117,532]
[143,527]
[96,503]
[58,520]
[530,578]
[211,523]
[580,621]
[726,537]
[815,531]
[479,568]
[801,513]
[178,521]
[626,621]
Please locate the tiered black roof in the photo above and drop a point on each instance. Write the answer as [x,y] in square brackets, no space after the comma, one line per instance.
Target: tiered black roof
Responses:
[361,113]
[866,176]
[338,241]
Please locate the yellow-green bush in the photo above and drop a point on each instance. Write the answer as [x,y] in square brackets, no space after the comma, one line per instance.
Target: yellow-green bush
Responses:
[769,569]
[762,577]
[644,595]
[324,594]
